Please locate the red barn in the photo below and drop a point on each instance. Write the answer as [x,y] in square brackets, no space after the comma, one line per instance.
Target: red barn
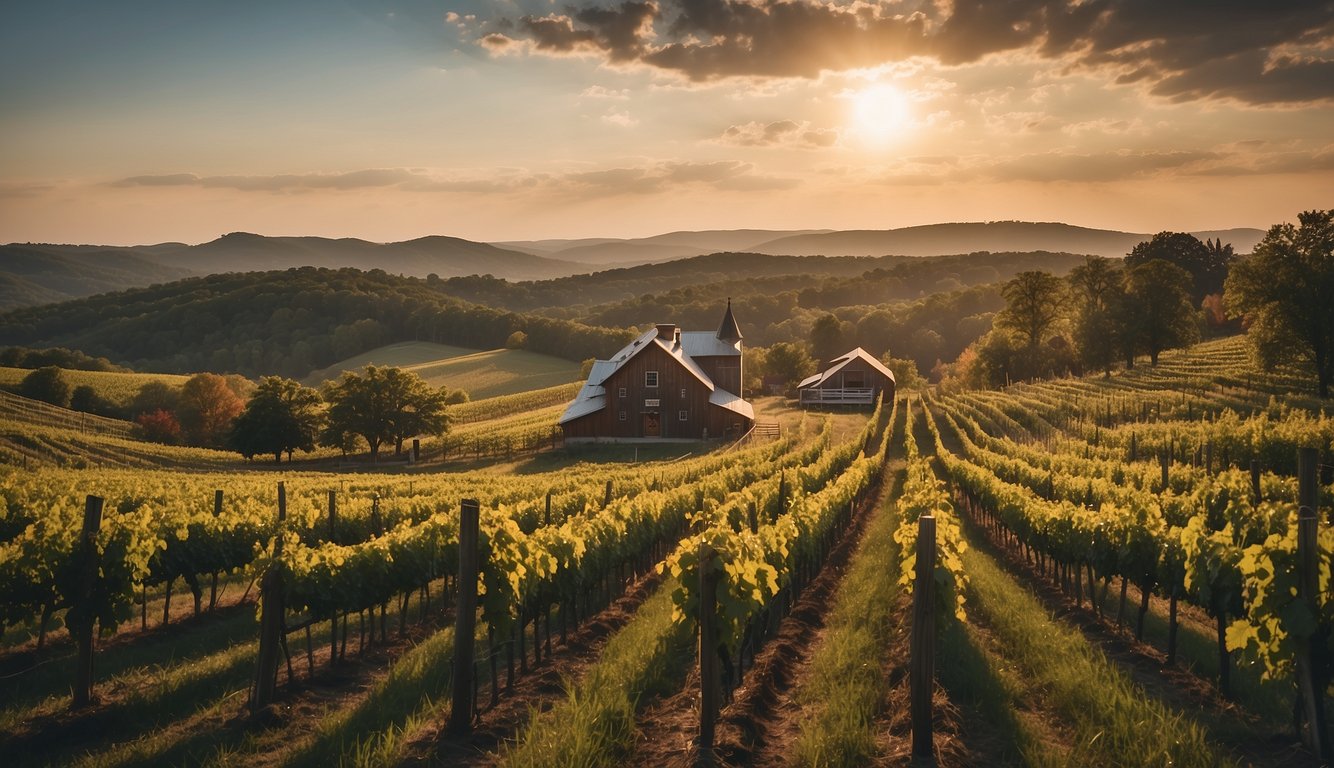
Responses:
[666,384]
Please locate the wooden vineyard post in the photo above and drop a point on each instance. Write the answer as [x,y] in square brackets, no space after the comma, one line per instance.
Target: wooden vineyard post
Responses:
[1255,481]
[709,682]
[271,618]
[1166,460]
[416,450]
[81,623]
[923,660]
[1308,590]
[465,621]
[606,499]
[333,517]
[213,588]
[546,516]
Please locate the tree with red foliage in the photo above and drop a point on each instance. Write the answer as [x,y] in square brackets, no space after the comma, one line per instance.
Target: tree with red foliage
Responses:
[159,427]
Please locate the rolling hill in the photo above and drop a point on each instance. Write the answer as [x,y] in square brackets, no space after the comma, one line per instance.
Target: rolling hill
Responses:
[645,250]
[32,275]
[944,239]
[481,373]
[43,274]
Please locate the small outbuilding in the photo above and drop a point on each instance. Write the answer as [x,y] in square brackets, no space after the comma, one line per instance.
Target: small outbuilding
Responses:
[855,379]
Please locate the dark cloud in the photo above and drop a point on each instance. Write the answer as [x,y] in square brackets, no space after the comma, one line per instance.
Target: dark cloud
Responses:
[1274,52]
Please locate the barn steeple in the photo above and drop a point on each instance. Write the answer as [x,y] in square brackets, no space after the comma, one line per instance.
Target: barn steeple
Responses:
[728,330]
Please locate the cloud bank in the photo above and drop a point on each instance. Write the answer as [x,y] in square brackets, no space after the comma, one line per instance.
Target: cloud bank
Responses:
[1270,53]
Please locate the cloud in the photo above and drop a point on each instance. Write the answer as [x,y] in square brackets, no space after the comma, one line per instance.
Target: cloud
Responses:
[781,133]
[1277,52]
[620,118]
[653,177]
[599,92]
[375,177]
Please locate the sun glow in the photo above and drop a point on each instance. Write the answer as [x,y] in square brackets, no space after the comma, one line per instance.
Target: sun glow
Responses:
[879,114]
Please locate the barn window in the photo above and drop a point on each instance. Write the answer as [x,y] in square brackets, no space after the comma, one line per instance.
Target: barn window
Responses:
[622,392]
[682,415]
[622,416]
[650,378]
[683,393]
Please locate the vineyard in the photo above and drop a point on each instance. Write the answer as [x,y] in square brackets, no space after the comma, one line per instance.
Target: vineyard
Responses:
[1130,570]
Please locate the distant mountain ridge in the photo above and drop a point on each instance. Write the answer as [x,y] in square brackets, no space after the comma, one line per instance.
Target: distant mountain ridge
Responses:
[40,274]
[34,274]
[946,239]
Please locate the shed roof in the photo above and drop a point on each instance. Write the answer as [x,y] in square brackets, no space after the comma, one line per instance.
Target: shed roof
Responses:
[840,362]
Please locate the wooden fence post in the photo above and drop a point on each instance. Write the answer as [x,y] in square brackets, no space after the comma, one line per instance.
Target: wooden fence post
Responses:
[465,620]
[709,682]
[606,499]
[922,672]
[1308,589]
[546,517]
[271,618]
[81,624]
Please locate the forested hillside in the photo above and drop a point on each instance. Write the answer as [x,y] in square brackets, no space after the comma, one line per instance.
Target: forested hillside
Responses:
[287,322]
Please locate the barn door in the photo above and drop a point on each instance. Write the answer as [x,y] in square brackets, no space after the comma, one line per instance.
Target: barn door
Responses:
[652,425]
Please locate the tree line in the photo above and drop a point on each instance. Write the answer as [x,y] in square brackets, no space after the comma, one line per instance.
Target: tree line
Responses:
[1168,292]
[375,407]
[284,323]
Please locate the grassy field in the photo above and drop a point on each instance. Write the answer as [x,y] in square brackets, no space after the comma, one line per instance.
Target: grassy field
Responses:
[119,388]
[486,373]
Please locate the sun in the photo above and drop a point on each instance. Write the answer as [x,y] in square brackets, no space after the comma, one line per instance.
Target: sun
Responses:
[880,113]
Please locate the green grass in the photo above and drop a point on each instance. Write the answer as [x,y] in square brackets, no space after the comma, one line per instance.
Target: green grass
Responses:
[481,374]
[595,724]
[1113,720]
[846,687]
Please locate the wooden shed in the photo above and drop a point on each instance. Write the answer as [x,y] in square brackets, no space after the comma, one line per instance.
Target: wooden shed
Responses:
[855,379]
[667,384]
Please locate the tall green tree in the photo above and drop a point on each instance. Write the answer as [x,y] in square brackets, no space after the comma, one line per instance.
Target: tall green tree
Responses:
[1207,264]
[1098,291]
[789,361]
[1035,304]
[1159,313]
[830,337]
[281,417]
[1285,290]
[383,405]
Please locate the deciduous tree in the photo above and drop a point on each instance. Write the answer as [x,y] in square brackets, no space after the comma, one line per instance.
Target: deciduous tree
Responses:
[206,409]
[1159,310]
[281,417]
[1286,292]
[47,384]
[382,404]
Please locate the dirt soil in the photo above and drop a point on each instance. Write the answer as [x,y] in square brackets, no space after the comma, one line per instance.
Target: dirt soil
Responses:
[544,686]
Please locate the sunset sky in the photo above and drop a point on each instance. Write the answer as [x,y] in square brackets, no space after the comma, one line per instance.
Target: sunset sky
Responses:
[139,122]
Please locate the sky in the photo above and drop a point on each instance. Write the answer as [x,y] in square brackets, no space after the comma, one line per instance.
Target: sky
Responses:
[181,120]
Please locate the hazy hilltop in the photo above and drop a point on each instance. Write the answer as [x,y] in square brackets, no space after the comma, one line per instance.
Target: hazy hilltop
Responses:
[435,254]
[32,275]
[644,250]
[943,239]
[40,274]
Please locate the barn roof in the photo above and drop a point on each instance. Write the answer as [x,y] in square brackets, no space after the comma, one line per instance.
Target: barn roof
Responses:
[707,344]
[840,362]
[732,402]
